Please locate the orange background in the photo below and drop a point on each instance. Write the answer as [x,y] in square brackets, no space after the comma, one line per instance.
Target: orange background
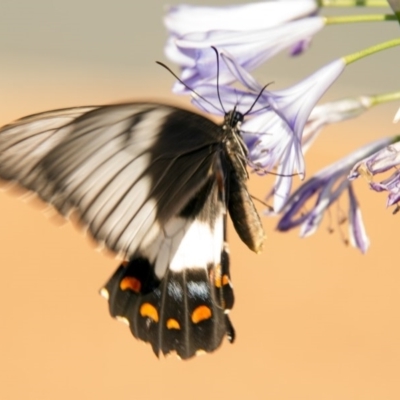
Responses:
[314,319]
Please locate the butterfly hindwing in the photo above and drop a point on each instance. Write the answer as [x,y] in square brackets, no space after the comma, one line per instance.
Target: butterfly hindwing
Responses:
[186,310]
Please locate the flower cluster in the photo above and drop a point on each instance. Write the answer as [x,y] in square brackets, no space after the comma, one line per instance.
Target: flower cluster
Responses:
[218,47]
[384,160]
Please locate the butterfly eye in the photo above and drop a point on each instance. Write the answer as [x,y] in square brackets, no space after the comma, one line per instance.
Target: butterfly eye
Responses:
[237,117]
[233,118]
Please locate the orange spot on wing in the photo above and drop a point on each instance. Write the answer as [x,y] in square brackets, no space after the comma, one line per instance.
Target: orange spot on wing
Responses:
[173,324]
[130,283]
[225,280]
[148,310]
[200,314]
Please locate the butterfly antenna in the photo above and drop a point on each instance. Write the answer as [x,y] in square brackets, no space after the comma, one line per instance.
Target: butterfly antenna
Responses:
[255,101]
[243,132]
[267,107]
[219,94]
[188,87]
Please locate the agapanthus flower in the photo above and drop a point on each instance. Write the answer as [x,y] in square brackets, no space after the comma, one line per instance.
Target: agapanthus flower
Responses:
[379,162]
[332,112]
[276,140]
[328,185]
[259,31]
[184,18]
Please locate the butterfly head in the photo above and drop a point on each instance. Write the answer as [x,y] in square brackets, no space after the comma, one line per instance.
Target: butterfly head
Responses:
[233,119]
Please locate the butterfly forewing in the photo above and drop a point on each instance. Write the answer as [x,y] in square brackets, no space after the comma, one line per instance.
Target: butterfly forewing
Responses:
[25,143]
[152,183]
[115,166]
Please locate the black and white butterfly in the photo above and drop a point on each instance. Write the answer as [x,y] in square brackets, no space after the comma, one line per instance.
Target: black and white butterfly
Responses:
[152,183]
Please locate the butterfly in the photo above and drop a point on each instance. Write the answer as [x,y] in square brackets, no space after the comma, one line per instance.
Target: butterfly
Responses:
[152,183]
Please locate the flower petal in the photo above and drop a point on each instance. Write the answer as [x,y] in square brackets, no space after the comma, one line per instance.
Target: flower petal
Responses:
[297,202]
[357,234]
[380,161]
[296,103]
[250,49]
[390,184]
[327,196]
[182,19]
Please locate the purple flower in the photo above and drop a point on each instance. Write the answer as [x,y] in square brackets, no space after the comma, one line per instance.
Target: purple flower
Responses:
[381,161]
[183,19]
[276,140]
[252,34]
[328,185]
[357,234]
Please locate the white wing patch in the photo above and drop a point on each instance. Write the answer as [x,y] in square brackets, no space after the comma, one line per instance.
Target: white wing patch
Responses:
[201,245]
[185,244]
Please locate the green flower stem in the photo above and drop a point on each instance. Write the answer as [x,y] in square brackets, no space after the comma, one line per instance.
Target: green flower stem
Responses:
[345,19]
[352,3]
[384,98]
[371,50]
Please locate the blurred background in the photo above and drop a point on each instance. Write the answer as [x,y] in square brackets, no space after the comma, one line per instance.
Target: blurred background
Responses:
[315,319]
